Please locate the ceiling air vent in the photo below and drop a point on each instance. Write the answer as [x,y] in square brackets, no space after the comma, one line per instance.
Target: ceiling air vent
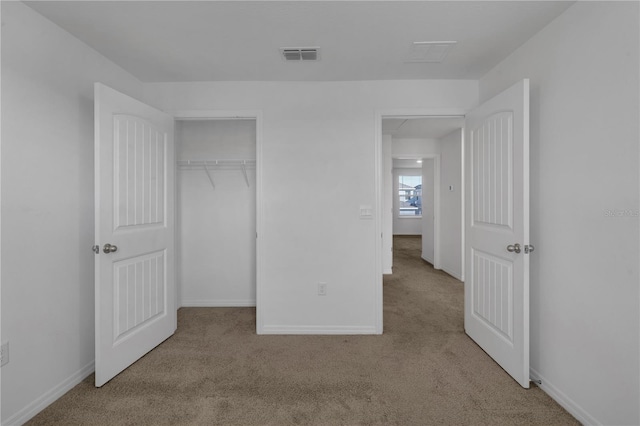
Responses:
[300,53]
[429,51]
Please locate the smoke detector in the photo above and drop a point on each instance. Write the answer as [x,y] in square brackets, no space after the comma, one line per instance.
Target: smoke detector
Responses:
[429,51]
[300,53]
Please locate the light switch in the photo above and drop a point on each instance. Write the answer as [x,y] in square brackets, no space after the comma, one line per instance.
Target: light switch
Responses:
[366,212]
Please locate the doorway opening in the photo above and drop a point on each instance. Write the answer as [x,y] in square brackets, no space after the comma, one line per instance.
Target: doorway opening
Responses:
[415,199]
[496,161]
[422,187]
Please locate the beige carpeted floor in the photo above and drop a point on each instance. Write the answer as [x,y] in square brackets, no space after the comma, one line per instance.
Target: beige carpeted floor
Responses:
[216,371]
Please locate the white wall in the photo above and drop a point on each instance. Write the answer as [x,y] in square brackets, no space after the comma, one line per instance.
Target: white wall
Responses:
[414,148]
[427,224]
[47,207]
[217,226]
[406,225]
[451,244]
[584,206]
[318,138]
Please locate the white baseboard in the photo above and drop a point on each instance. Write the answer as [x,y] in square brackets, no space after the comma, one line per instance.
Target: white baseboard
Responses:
[313,329]
[387,272]
[428,260]
[454,274]
[49,397]
[561,398]
[218,303]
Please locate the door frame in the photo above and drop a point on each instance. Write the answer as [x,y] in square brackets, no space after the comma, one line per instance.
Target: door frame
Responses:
[257,115]
[379,115]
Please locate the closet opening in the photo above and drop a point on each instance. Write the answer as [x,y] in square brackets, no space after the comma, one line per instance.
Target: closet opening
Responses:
[216,203]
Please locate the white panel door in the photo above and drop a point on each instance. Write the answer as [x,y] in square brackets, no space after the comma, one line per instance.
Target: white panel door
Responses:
[497,228]
[135,306]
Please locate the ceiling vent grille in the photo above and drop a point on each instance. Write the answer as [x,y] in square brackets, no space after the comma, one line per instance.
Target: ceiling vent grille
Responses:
[429,51]
[300,53]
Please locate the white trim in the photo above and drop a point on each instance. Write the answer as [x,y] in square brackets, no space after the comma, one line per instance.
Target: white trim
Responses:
[378,307]
[218,303]
[426,259]
[49,397]
[318,329]
[259,223]
[561,398]
[436,211]
[258,116]
[462,205]
[454,274]
[387,272]
[420,113]
[218,114]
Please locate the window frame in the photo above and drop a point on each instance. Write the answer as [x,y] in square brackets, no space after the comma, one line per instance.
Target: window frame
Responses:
[411,192]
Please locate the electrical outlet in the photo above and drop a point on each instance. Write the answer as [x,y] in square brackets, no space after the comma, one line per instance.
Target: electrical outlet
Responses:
[4,353]
[322,289]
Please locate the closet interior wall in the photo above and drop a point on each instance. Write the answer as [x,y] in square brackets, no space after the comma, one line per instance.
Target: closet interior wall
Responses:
[216,230]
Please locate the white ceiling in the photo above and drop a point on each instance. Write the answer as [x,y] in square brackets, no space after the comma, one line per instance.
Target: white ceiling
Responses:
[420,128]
[400,163]
[359,40]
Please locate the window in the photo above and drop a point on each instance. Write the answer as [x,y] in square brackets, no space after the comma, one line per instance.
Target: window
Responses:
[409,196]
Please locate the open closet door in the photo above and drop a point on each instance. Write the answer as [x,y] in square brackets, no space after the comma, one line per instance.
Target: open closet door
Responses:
[135,306]
[496,313]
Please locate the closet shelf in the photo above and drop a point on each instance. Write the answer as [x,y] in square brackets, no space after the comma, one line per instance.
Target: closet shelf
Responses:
[209,165]
[238,164]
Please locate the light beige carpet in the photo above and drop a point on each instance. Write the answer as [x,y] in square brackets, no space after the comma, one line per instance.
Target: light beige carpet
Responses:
[216,371]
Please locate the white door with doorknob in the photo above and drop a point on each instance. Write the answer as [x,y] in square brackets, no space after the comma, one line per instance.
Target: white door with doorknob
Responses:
[497,244]
[135,307]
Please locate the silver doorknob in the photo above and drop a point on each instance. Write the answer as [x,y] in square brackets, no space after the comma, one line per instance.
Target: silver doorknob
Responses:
[109,248]
[513,248]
